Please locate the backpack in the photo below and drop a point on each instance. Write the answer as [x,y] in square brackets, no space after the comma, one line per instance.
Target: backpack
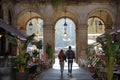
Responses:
[70,54]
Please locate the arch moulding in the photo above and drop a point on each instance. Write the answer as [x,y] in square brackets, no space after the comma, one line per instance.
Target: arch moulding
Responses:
[70,16]
[103,9]
[20,17]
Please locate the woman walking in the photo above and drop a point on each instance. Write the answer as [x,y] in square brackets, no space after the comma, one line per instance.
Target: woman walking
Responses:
[61,57]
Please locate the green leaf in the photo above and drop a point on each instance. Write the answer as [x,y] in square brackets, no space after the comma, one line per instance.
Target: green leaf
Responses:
[12,40]
[49,51]
[57,4]
[39,44]
[29,39]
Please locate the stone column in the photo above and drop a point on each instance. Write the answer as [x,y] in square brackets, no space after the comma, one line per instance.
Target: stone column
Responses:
[48,35]
[83,38]
[5,12]
[5,19]
[77,43]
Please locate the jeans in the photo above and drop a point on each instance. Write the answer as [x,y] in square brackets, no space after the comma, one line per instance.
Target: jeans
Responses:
[70,63]
[61,67]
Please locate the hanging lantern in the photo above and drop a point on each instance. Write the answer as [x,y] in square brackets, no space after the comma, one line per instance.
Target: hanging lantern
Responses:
[30,24]
[100,23]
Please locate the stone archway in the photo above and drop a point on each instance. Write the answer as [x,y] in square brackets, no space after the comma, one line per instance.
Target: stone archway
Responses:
[83,31]
[24,17]
[69,15]
[65,34]
[106,16]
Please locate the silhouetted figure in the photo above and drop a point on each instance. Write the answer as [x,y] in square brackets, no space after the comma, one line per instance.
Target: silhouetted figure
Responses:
[62,58]
[70,55]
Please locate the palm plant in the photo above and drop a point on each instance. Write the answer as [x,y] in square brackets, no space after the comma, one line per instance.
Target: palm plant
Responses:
[50,55]
[110,47]
[21,57]
[49,51]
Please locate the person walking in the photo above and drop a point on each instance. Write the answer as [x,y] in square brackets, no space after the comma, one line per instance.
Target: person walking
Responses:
[70,55]
[62,58]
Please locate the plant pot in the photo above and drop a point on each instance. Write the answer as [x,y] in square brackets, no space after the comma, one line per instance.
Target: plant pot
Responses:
[91,69]
[21,75]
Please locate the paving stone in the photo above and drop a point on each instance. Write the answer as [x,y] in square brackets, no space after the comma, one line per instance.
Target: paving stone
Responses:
[77,73]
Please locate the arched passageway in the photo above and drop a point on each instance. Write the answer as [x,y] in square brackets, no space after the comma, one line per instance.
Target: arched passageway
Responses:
[80,30]
[99,21]
[64,36]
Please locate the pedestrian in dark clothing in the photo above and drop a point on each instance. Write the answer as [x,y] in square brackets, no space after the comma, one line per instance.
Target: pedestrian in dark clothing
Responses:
[62,58]
[70,55]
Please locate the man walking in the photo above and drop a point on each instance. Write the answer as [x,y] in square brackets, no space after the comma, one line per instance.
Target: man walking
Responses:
[70,55]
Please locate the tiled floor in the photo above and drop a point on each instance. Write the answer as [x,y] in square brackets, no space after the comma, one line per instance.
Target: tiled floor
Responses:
[54,73]
[77,74]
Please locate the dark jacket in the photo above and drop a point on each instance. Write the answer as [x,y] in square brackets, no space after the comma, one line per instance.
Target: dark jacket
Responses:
[70,54]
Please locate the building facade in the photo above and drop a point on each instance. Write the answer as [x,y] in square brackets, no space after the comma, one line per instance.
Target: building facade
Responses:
[19,12]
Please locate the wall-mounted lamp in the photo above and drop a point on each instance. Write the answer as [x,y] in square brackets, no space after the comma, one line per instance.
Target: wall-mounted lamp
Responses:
[0,35]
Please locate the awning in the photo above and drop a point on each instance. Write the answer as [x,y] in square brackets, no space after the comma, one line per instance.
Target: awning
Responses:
[116,29]
[113,32]
[12,30]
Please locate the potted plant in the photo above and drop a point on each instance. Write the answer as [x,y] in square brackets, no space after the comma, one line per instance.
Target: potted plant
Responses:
[21,57]
[90,56]
[49,51]
[50,55]
[110,46]
[21,66]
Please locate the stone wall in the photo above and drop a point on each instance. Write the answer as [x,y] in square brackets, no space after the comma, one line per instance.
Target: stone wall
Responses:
[79,13]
